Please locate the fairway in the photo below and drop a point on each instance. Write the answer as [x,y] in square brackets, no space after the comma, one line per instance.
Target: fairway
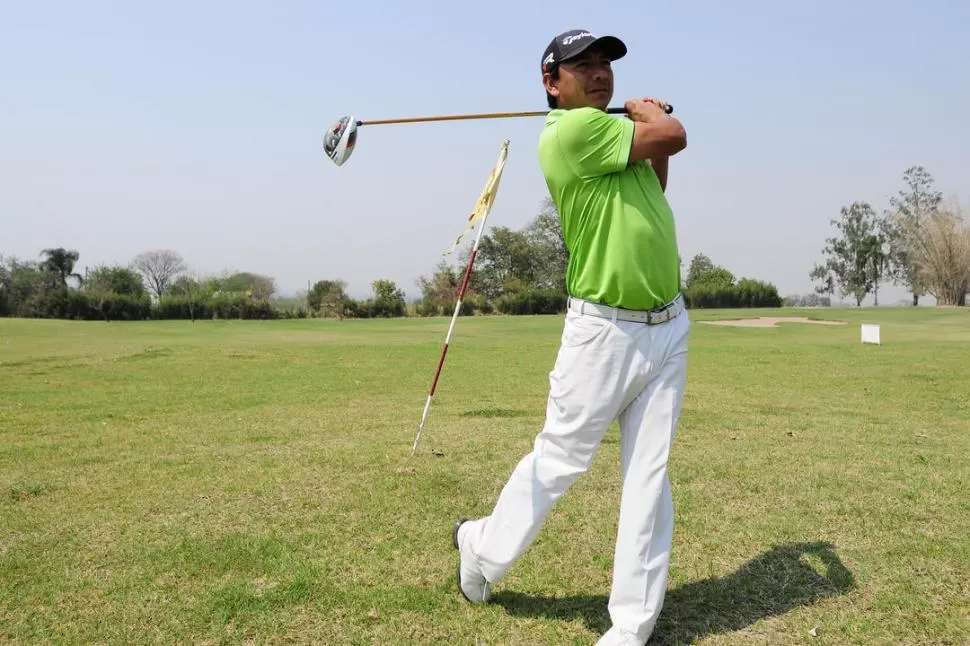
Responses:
[251,482]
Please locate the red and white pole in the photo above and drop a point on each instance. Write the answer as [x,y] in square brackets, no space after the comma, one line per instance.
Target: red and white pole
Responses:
[454,316]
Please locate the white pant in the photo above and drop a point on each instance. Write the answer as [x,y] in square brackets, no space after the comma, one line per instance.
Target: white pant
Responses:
[604,370]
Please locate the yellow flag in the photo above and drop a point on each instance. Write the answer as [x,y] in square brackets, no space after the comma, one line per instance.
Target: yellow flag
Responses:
[487,198]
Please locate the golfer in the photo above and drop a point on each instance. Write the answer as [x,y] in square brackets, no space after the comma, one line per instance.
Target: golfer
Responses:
[623,352]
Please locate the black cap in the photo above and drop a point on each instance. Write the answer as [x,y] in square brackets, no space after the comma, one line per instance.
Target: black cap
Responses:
[574,42]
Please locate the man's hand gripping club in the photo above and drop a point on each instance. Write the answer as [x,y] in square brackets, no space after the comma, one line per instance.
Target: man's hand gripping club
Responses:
[656,134]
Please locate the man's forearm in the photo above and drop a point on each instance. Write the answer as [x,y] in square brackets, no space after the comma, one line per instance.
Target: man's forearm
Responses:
[656,134]
[660,165]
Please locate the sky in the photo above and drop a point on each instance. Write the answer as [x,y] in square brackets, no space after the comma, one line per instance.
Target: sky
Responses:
[197,126]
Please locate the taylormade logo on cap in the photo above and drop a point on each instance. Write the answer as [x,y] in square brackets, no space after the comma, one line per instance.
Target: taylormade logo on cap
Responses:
[567,45]
[571,39]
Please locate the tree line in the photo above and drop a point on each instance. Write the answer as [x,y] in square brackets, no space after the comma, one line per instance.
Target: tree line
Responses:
[153,285]
[710,285]
[919,242]
[524,272]
[157,285]
[515,272]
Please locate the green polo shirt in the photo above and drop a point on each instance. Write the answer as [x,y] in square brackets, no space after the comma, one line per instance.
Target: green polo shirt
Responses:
[616,221]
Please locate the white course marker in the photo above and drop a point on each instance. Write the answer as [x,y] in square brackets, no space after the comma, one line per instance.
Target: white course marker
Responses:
[870,333]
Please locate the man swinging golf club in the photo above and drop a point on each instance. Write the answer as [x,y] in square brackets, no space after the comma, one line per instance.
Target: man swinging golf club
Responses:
[623,352]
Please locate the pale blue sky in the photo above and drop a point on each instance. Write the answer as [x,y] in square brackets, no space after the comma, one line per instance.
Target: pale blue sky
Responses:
[197,126]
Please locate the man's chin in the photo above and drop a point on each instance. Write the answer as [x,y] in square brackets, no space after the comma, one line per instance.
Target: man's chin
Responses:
[600,100]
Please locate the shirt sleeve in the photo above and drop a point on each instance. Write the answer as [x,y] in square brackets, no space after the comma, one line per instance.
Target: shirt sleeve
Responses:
[594,142]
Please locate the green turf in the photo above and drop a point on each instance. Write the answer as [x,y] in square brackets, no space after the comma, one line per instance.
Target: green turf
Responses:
[250,482]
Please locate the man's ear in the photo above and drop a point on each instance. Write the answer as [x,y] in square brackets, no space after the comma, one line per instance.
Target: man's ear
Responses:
[550,84]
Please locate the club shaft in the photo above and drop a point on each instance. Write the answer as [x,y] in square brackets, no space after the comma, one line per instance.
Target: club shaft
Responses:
[488,115]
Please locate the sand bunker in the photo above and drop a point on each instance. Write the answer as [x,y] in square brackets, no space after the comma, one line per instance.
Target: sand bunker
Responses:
[771,321]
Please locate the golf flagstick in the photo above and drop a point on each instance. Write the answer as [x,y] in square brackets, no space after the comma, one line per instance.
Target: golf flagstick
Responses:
[479,213]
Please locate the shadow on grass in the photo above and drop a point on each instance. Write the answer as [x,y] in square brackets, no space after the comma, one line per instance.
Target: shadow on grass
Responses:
[783,578]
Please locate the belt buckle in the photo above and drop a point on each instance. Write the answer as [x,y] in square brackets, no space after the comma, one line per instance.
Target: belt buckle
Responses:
[663,312]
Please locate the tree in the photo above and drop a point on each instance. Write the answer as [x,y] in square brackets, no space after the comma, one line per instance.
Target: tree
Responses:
[441,290]
[98,294]
[22,286]
[261,288]
[878,247]
[256,286]
[851,262]
[699,265]
[159,268]
[182,286]
[4,289]
[60,262]
[388,299]
[703,271]
[910,209]
[117,280]
[105,283]
[544,234]
[327,297]
[195,292]
[717,276]
[505,262]
[938,250]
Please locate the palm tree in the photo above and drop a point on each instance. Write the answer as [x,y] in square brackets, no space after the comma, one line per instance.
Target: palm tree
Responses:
[61,262]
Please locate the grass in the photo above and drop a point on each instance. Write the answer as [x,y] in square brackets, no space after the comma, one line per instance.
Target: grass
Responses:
[237,482]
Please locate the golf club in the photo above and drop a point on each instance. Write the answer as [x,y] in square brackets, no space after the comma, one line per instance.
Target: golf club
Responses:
[340,139]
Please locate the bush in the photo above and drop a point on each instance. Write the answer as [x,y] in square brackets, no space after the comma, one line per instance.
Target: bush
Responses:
[426,308]
[78,307]
[295,312]
[746,293]
[181,307]
[480,304]
[469,306]
[227,305]
[53,303]
[755,293]
[386,307]
[447,308]
[219,306]
[532,301]
[356,309]
[259,310]
[121,307]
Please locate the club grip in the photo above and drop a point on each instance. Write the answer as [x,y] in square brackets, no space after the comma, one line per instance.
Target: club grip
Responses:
[670,108]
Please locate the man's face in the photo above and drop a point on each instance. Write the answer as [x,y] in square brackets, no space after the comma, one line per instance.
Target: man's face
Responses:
[584,81]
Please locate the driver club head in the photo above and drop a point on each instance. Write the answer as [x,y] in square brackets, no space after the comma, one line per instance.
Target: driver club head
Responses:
[339,141]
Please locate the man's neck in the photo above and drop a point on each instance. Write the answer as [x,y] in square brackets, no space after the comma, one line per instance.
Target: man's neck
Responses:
[583,105]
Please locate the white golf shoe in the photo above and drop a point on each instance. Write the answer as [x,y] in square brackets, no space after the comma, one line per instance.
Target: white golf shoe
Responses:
[471,582]
[616,637]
